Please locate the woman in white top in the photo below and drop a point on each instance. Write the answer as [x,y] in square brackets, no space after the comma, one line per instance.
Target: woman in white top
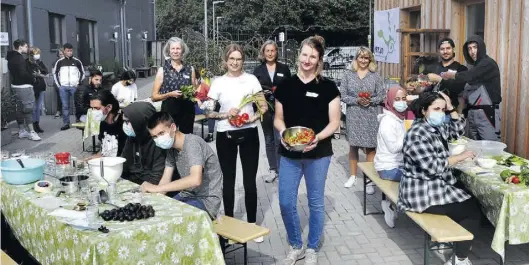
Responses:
[229,90]
[126,90]
[390,139]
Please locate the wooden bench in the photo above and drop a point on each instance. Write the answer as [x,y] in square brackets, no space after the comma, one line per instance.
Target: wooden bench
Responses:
[145,72]
[80,126]
[201,118]
[437,228]
[6,259]
[238,231]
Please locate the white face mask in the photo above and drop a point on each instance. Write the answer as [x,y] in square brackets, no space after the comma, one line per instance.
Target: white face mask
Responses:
[98,115]
[36,56]
[400,106]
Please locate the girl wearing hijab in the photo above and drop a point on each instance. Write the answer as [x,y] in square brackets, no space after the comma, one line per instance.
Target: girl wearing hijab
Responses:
[390,138]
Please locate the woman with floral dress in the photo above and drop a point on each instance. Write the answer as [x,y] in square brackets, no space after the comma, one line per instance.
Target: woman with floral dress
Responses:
[362,90]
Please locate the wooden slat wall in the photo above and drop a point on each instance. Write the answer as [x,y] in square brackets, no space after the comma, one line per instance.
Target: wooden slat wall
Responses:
[507,39]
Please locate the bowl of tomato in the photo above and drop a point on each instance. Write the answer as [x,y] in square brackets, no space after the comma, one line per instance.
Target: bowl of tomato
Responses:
[298,137]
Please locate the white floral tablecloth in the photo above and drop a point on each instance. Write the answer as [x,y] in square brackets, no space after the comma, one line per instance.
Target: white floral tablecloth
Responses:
[506,205]
[178,234]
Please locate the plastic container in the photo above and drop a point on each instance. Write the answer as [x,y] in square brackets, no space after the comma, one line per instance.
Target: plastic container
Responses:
[486,148]
[112,166]
[12,173]
[457,147]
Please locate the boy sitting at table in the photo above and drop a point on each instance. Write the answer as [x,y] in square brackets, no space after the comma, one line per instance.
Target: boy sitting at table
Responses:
[201,182]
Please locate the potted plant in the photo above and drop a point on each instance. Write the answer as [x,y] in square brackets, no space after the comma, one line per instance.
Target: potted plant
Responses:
[8,107]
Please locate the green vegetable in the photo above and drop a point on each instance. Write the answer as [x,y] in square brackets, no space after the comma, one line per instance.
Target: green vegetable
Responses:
[511,161]
[188,92]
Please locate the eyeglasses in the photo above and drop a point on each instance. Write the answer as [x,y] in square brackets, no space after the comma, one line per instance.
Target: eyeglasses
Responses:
[233,60]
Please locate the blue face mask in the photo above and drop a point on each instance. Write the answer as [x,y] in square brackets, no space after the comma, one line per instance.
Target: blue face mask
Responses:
[128,130]
[165,141]
[436,118]
[400,106]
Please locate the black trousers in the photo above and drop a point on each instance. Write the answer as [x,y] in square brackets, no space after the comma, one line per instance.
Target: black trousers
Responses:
[228,145]
[183,113]
[467,214]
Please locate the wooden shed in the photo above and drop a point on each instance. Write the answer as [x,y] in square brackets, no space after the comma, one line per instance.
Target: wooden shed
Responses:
[504,24]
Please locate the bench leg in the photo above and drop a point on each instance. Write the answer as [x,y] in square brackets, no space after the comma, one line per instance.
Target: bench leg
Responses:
[202,122]
[454,254]
[94,144]
[365,195]
[426,249]
[245,254]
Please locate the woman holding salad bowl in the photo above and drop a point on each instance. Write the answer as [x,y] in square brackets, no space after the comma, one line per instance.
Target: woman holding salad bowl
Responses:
[312,101]
[235,92]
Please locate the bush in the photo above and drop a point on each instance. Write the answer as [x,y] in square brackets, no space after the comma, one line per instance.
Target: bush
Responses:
[8,106]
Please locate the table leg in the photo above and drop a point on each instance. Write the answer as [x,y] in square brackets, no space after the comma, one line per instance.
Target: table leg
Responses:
[245,254]
[426,248]
[94,144]
[365,196]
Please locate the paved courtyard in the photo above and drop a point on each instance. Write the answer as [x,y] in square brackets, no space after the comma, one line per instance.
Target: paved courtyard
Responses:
[349,236]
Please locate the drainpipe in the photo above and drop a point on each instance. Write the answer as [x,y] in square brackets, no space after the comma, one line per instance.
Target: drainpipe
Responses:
[154,19]
[29,20]
[123,33]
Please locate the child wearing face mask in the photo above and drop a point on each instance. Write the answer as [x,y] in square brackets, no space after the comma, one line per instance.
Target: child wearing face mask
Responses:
[126,90]
[390,138]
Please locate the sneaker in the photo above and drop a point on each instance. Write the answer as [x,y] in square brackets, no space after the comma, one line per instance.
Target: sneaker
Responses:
[458,261]
[389,214]
[57,114]
[294,255]
[311,257]
[350,182]
[23,134]
[272,177]
[209,138]
[33,136]
[370,189]
[65,127]
[258,240]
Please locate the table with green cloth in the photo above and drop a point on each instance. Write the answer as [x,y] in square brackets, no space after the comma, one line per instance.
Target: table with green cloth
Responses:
[505,205]
[177,234]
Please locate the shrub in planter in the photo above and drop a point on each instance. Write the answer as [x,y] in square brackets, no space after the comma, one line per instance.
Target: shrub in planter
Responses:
[8,107]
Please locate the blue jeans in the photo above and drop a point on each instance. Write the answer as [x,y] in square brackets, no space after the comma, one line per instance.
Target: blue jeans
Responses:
[191,201]
[290,174]
[392,174]
[38,107]
[66,92]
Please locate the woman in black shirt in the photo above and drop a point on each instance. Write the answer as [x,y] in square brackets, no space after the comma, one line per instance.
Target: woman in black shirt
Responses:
[312,101]
[169,81]
[270,74]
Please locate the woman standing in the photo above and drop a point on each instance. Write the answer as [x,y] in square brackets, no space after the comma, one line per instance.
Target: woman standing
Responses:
[312,101]
[40,71]
[362,90]
[270,74]
[229,90]
[60,55]
[168,82]
[126,90]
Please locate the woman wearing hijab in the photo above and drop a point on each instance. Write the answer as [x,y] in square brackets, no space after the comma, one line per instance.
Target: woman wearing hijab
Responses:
[390,138]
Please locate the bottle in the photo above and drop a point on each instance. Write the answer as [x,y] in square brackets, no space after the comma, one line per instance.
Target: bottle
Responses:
[63,166]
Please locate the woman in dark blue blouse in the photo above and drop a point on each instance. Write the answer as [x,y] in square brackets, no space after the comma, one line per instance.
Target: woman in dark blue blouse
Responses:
[170,78]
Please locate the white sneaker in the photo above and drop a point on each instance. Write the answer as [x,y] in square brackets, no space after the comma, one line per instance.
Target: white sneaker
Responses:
[294,255]
[23,134]
[458,261]
[311,257]
[389,214]
[34,136]
[370,189]
[258,240]
[272,177]
[350,182]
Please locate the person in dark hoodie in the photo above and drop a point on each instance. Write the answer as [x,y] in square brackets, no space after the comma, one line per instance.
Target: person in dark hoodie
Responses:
[85,92]
[482,93]
[22,80]
[145,160]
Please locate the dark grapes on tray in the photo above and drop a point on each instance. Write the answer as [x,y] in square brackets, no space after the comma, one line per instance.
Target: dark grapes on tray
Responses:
[130,212]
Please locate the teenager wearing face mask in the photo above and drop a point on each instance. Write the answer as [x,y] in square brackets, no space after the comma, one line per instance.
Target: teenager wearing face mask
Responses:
[39,86]
[145,160]
[126,90]
[105,108]
[428,183]
[390,137]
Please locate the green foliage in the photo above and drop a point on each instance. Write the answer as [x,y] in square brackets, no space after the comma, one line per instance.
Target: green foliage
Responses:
[8,106]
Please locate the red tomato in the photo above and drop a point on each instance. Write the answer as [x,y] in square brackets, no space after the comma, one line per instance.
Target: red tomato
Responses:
[245,116]
[274,89]
[515,180]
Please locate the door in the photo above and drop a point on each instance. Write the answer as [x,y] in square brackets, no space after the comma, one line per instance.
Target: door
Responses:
[83,41]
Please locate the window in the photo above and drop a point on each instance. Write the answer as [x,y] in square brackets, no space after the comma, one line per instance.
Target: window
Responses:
[475,20]
[5,26]
[86,41]
[56,30]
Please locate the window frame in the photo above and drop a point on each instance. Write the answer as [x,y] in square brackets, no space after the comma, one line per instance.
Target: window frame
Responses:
[52,18]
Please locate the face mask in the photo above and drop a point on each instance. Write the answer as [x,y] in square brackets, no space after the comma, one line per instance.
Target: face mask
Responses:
[128,130]
[436,118]
[400,106]
[98,115]
[165,141]
[36,56]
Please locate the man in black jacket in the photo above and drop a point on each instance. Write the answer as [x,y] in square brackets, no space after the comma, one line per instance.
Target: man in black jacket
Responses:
[145,160]
[22,80]
[482,92]
[68,74]
[453,88]
[84,93]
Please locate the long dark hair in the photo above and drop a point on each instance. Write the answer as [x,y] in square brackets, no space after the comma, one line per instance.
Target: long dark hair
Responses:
[107,98]
[424,101]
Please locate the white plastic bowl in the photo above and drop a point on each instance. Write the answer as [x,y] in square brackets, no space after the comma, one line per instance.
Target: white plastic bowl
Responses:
[457,147]
[486,148]
[486,162]
[112,167]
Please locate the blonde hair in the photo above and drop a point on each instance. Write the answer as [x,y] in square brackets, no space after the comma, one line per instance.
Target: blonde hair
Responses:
[262,57]
[167,47]
[318,43]
[364,51]
[229,50]
[34,51]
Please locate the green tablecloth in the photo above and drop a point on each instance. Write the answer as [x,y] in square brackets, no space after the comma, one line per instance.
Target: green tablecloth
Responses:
[505,205]
[178,234]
